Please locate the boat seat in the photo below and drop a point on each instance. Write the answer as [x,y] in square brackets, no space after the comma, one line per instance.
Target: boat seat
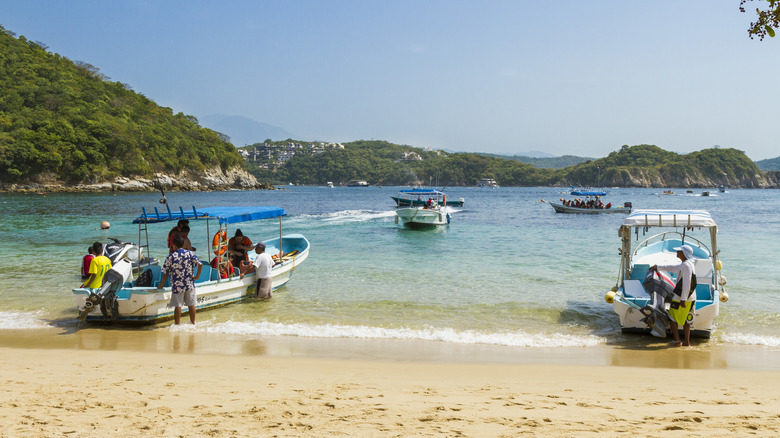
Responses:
[703,292]
[639,272]
[155,272]
[205,274]
[634,289]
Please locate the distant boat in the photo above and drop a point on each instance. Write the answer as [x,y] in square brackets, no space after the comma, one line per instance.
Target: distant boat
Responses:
[722,189]
[487,182]
[358,183]
[583,191]
[329,184]
[432,214]
[705,193]
[418,197]
[560,208]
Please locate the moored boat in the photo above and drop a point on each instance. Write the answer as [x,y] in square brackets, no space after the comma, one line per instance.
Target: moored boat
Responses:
[487,182]
[642,311]
[123,299]
[358,183]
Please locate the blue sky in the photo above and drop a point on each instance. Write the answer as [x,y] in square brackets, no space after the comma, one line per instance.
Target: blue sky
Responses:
[565,77]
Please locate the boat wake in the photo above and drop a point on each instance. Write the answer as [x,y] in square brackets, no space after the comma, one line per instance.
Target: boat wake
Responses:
[511,339]
[346,216]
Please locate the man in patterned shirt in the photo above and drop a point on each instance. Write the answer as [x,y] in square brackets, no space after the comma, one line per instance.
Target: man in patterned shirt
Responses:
[180,265]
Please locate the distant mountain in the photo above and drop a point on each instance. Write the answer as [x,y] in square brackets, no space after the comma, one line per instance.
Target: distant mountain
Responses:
[534,154]
[769,164]
[243,130]
[548,162]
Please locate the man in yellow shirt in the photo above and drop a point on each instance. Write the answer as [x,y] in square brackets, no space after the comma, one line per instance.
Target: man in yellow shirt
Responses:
[97,267]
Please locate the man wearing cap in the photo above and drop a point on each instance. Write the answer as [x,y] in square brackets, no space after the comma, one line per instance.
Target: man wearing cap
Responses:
[684,300]
[263,264]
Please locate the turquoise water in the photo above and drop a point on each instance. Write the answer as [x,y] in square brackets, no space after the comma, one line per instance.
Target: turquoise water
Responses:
[507,271]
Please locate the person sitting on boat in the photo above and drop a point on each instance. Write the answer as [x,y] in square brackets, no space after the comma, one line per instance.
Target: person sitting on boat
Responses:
[608,206]
[85,263]
[176,231]
[684,298]
[238,248]
[98,267]
[431,203]
[225,270]
[185,232]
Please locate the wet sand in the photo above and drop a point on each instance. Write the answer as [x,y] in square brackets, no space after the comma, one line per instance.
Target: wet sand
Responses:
[169,383]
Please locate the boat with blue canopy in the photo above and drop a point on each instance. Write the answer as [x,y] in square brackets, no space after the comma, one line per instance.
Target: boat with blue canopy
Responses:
[132,297]
[640,304]
[419,197]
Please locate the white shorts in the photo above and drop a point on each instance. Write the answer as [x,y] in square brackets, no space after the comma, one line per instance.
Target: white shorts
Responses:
[186,298]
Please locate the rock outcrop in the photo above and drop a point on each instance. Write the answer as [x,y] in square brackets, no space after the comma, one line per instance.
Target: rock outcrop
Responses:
[211,179]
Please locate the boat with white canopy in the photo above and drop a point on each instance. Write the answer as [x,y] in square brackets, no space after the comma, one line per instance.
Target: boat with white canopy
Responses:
[651,237]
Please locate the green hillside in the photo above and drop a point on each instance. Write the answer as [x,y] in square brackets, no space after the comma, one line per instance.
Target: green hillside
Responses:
[770,164]
[64,120]
[632,166]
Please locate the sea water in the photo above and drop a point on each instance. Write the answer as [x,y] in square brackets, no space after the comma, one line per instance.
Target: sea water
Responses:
[508,271]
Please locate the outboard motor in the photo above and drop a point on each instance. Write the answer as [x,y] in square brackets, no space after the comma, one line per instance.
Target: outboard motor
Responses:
[660,287]
[105,297]
[627,205]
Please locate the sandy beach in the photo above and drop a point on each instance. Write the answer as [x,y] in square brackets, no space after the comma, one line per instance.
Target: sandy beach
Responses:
[110,392]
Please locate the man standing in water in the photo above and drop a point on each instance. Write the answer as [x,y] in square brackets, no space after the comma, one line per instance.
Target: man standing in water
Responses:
[180,266]
[262,267]
[684,298]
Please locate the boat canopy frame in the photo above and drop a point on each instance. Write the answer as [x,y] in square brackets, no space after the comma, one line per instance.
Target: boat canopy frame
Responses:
[223,215]
[677,220]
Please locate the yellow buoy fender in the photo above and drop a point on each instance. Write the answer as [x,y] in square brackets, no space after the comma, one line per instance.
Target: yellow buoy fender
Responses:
[610,297]
[724,296]
[718,265]
[722,280]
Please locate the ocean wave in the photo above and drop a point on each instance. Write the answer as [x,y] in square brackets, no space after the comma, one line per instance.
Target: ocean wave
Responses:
[21,320]
[511,339]
[751,339]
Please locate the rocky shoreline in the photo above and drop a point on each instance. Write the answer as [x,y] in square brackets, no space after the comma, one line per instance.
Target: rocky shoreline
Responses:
[210,180]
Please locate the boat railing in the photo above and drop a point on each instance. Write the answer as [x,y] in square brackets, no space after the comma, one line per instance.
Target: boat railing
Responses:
[661,237]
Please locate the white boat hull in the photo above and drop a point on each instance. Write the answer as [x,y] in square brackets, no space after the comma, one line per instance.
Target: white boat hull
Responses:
[148,305]
[422,217]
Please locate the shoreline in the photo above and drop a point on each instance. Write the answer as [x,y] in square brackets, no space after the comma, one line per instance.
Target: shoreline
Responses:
[636,351]
[48,392]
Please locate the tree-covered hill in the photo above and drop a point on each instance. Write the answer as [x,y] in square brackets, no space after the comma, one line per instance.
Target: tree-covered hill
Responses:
[380,163]
[545,162]
[769,164]
[62,120]
[651,166]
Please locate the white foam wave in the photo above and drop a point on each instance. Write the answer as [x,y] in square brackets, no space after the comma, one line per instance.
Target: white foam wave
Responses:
[21,320]
[751,339]
[512,339]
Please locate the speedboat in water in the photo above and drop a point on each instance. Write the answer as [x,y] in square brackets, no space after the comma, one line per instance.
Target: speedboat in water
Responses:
[433,213]
[637,300]
[124,299]
[419,197]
